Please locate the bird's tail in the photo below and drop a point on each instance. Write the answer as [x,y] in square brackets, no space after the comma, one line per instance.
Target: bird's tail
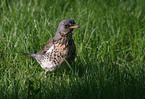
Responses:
[29,54]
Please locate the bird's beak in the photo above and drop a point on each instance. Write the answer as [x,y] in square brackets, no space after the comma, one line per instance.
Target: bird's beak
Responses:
[74,26]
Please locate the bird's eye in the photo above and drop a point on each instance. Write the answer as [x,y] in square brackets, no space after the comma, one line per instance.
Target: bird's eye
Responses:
[67,26]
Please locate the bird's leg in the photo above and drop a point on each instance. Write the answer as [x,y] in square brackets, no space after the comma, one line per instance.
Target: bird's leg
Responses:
[45,73]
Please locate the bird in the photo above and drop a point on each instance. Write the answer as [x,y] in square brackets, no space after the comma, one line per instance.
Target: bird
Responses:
[59,49]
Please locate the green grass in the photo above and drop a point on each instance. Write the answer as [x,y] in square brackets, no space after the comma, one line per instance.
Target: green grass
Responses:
[110,61]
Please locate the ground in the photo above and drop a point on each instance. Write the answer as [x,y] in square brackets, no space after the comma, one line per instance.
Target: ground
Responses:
[110,43]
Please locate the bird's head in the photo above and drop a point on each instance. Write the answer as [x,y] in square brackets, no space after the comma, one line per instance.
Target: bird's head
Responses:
[66,27]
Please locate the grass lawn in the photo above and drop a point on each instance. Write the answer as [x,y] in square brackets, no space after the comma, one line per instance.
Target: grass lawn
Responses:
[110,60]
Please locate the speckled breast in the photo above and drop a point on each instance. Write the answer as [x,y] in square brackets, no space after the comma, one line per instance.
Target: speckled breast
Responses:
[64,49]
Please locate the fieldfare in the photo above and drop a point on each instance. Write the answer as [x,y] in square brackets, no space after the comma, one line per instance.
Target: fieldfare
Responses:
[59,49]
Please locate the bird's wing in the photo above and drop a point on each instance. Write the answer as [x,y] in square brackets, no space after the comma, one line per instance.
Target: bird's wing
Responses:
[46,47]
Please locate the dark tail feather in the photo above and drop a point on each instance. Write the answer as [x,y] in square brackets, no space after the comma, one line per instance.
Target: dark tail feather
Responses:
[29,54]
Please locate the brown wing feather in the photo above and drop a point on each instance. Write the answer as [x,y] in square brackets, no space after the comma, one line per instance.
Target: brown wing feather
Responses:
[46,47]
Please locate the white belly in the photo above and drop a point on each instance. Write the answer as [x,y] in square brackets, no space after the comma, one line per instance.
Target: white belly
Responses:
[45,62]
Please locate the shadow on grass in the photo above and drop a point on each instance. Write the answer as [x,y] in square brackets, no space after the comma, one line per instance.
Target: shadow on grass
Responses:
[85,81]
